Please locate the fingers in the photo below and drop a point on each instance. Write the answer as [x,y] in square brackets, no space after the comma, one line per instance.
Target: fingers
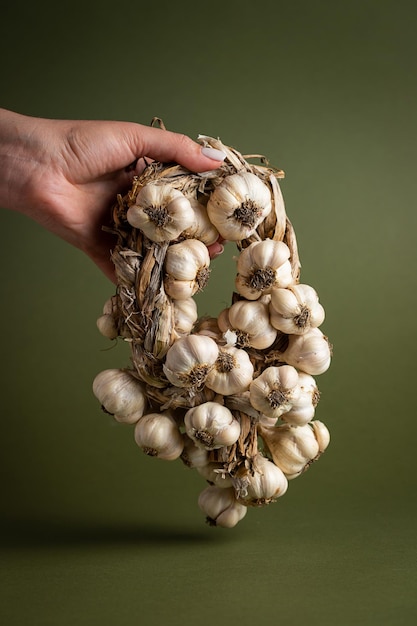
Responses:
[167,146]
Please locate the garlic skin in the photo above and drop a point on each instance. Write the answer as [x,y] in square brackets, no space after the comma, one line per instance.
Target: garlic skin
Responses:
[275,390]
[304,407]
[161,212]
[310,352]
[249,322]
[267,483]
[238,205]
[232,372]
[187,267]
[189,360]
[201,228]
[294,448]
[120,394]
[296,309]
[158,435]
[106,323]
[221,507]
[211,426]
[193,456]
[185,315]
[262,266]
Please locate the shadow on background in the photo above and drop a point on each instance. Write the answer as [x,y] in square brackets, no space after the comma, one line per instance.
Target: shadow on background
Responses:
[64,534]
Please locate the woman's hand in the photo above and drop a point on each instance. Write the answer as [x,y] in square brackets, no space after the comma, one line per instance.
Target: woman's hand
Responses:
[66,174]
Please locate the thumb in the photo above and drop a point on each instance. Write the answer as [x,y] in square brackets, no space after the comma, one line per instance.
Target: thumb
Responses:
[167,146]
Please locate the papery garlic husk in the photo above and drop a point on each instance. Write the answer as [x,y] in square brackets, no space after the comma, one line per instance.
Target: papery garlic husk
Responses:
[303,408]
[160,212]
[189,360]
[310,352]
[238,205]
[215,474]
[232,372]
[221,507]
[294,448]
[264,485]
[209,326]
[262,266]
[158,435]
[187,267]
[185,315]
[274,391]
[249,323]
[211,426]
[201,228]
[296,309]
[193,456]
[120,394]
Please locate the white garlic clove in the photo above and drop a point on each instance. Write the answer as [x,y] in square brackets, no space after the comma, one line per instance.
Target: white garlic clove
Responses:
[249,320]
[264,485]
[107,327]
[161,212]
[322,434]
[232,372]
[310,352]
[296,309]
[294,448]
[261,266]
[120,394]
[189,360]
[185,315]
[201,228]
[238,205]
[158,435]
[211,426]
[303,408]
[221,507]
[193,456]
[274,391]
[187,267]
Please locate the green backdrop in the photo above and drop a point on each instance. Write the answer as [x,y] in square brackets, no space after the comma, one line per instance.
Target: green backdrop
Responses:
[95,532]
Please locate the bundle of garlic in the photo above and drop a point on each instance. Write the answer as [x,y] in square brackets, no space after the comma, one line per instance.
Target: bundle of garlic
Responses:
[234,396]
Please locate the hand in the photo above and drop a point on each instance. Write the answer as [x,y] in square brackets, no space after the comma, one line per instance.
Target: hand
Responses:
[66,174]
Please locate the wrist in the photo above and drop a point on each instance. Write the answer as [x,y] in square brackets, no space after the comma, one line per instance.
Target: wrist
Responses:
[20,154]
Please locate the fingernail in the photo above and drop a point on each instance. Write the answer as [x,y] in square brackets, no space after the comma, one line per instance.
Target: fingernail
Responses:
[213,153]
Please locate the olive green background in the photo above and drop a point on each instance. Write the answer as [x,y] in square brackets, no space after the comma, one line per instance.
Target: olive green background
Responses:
[95,532]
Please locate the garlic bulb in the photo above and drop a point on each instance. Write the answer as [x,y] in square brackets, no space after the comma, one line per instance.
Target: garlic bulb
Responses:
[211,426]
[232,372]
[262,266]
[294,448]
[189,360]
[310,352]
[296,309]
[238,205]
[263,486]
[161,212]
[187,267]
[120,394]
[185,315]
[249,323]
[158,435]
[303,408]
[221,507]
[201,228]
[274,390]
[193,456]
[215,474]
